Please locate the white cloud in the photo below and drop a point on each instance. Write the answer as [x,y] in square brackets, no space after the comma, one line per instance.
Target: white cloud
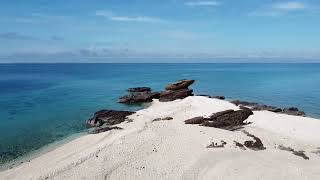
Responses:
[202,3]
[289,6]
[280,9]
[111,16]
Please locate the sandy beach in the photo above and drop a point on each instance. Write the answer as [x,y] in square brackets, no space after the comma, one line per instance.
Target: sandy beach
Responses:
[171,149]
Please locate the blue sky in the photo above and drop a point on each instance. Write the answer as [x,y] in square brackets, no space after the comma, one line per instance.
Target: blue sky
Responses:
[106,30]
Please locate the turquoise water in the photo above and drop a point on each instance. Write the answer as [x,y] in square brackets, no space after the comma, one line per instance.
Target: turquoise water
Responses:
[43,103]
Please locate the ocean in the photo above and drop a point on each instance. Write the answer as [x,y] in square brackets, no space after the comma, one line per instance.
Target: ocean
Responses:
[45,103]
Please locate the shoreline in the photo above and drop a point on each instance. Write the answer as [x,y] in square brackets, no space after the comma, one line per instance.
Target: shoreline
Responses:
[147,139]
[39,152]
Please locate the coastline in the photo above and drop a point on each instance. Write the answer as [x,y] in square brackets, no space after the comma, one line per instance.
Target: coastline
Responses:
[39,152]
[138,150]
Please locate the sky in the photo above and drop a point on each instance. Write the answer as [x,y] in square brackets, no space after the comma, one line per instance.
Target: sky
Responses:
[159,30]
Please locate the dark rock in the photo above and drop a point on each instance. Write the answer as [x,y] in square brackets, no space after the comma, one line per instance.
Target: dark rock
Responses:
[241,146]
[166,96]
[196,120]
[163,119]
[297,153]
[182,84]
[103,129]
[293,111]
[243,103]
[139,97]
[204,95]
[215,97]
[139,89]
[228,119]
[255,145]
[108,117]
[261,107]
[219,97]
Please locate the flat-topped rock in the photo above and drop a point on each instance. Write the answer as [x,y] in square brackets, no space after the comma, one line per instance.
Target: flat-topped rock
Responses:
[182,84]
[108,117]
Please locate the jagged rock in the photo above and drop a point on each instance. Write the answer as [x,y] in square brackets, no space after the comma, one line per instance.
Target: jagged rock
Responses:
[182,84]
[139,89]
[108,117]
[166,96]
[139,97]
[228,119]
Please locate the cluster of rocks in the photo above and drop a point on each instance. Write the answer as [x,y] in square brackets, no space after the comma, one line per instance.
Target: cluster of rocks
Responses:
[229,119]
[178,90]
[261,107]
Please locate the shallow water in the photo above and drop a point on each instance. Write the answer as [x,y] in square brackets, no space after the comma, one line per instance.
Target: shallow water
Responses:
[43,103]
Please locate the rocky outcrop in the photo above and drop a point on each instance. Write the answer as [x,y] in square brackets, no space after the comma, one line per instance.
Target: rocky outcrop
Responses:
[108,117]
[261,107]
[178,90]
[228,119]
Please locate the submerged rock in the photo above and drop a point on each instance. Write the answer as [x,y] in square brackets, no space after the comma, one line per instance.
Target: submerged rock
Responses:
[228,119]
[108,117]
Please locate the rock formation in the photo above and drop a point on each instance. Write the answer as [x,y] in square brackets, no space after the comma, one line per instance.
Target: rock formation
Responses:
[228,119]
[178,90]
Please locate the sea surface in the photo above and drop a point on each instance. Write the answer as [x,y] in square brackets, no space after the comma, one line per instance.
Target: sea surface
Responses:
[44,103]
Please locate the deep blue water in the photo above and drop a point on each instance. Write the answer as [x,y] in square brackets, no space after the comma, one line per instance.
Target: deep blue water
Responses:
[42,103]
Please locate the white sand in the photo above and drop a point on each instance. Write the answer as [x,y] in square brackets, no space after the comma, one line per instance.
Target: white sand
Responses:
[174,150]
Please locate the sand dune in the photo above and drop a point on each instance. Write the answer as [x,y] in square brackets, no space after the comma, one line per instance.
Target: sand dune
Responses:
[171,149]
